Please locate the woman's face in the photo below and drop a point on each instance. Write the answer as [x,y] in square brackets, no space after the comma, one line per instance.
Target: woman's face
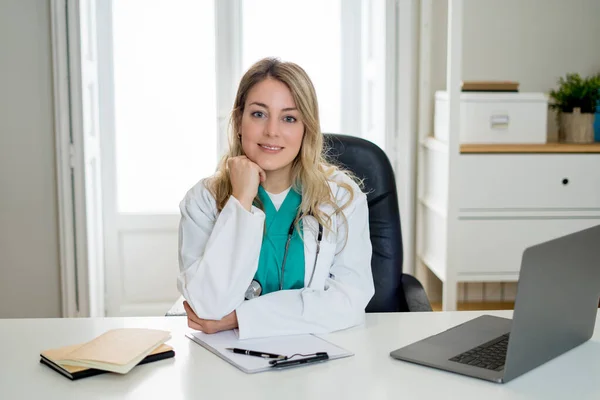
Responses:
[272,130]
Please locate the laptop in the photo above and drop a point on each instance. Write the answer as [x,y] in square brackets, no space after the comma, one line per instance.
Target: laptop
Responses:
[555,311]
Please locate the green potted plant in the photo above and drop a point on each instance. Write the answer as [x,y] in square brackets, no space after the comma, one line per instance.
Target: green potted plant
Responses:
[575,100]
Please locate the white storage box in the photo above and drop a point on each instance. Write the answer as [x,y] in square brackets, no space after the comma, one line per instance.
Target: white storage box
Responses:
[487,117]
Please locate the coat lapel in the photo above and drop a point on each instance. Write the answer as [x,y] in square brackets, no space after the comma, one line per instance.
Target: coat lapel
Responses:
[328,245]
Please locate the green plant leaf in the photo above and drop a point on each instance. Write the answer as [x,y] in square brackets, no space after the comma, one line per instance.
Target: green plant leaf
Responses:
[576,92]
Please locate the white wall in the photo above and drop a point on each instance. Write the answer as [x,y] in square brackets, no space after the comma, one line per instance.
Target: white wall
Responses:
[529,41]
[29,258]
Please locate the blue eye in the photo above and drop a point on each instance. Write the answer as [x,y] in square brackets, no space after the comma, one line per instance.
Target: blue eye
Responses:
[290,119]
[258,114]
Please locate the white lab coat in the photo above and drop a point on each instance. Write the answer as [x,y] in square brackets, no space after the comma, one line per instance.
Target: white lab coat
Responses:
[218,257]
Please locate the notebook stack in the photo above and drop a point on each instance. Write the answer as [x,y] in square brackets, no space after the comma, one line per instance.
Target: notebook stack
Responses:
[117,351]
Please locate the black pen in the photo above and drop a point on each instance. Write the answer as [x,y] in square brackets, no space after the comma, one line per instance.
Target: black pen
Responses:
[256,353]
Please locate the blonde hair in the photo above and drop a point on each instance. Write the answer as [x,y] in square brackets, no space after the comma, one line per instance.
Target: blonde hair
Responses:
[310,170]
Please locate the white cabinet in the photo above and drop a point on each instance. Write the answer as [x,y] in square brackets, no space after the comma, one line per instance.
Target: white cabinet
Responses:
[502,204]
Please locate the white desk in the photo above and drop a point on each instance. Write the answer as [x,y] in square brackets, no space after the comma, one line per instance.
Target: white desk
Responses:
[196,373]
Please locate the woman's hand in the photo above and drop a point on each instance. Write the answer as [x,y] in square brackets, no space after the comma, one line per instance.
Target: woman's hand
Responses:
[210,326]
[245,177]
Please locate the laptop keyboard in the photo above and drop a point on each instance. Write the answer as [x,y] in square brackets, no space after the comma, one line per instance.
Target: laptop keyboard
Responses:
[490,355]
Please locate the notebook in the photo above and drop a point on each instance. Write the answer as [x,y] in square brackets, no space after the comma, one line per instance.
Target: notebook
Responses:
[217,343]
[117,350]
[161,353]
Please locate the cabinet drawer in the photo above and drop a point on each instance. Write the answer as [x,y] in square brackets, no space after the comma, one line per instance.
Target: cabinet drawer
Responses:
[496,246]
[531,181]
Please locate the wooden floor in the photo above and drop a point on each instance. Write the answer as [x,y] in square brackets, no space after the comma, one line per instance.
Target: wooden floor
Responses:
[486,305]
[473,306]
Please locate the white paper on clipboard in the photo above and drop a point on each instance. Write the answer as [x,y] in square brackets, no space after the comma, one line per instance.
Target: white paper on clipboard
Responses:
[217,343]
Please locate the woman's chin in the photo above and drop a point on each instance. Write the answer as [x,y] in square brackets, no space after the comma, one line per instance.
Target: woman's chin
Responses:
[271,166]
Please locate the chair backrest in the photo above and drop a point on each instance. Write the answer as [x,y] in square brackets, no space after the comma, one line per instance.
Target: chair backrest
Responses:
[368,162]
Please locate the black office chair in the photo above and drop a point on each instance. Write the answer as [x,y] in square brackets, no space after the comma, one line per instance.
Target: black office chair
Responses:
[394,290]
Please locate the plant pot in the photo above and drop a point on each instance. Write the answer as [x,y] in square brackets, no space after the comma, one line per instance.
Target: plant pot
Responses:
[576,127]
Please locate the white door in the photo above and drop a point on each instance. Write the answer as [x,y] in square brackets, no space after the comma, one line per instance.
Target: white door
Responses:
[159,126]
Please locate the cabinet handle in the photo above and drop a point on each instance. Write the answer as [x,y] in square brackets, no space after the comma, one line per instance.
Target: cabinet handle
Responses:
[565,181]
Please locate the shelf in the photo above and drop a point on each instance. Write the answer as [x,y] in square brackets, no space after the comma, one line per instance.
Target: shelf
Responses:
[529,148]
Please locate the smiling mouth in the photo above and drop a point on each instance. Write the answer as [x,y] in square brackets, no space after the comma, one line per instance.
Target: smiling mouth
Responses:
[268,147]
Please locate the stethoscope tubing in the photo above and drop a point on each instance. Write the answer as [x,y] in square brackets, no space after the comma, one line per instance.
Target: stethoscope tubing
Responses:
[287,244]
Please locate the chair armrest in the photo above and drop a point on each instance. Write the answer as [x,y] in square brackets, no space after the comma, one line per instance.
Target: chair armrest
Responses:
[416,298]
[176,309]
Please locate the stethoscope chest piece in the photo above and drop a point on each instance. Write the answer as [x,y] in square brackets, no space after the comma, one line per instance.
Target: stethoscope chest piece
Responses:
[254,290]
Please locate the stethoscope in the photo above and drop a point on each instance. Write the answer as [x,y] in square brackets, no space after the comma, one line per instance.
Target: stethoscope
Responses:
[255,288]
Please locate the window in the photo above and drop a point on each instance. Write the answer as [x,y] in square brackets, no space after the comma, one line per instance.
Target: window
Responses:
[165,107]
[167,74]
[309,34]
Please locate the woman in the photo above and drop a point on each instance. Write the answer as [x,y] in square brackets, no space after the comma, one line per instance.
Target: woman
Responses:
[277,241]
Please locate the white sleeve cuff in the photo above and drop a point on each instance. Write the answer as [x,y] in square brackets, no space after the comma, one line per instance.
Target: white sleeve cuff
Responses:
[254,210]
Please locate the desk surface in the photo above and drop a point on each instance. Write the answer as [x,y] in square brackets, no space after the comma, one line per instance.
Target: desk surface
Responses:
[197,373]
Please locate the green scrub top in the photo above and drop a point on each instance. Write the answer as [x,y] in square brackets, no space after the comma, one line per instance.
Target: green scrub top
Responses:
[277,225]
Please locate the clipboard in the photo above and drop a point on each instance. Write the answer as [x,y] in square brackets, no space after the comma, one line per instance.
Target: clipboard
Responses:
[217,344]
